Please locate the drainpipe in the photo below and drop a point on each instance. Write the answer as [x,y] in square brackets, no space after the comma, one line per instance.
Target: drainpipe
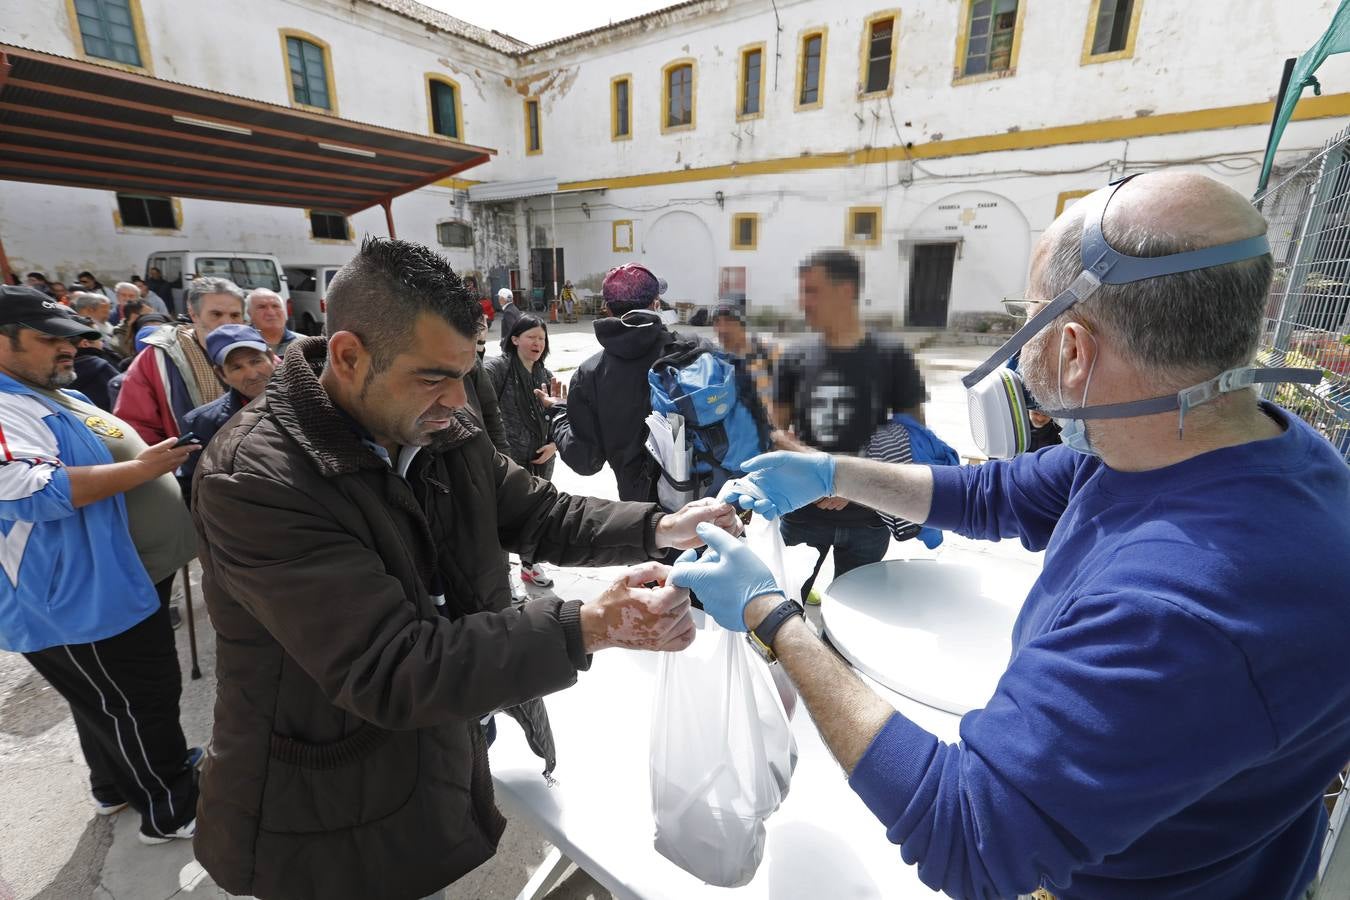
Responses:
[553,239]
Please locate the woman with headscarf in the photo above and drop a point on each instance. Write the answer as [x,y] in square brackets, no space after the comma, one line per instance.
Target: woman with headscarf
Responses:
[515,375]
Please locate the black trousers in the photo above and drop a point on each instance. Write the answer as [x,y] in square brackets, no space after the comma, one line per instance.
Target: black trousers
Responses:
[123,693]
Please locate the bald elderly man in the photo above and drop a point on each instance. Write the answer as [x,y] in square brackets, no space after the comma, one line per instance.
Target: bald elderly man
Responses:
[1177,697]
[267,313]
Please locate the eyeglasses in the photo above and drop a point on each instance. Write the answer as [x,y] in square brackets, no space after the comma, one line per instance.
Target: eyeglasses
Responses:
[1022,308]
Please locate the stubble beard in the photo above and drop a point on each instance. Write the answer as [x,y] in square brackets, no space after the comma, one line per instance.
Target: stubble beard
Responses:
[1036,375]
[59,379]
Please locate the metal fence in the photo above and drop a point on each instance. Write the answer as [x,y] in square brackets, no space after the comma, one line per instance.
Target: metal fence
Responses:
[1307,321]
[1307,324]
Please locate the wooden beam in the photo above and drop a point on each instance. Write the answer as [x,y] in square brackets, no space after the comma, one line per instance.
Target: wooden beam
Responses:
[124,103]
[98,181]
[104,161]
[108,73]
[308,203]
[140,131]
[123,146]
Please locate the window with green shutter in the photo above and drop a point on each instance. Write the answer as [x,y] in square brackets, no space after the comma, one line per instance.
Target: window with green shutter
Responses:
[444,109]
[309,73]
[993,25]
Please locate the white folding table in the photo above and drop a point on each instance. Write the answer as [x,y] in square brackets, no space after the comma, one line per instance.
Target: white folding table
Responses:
[822,842]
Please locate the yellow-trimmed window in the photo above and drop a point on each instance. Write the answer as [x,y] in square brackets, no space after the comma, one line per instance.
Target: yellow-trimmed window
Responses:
[989,39]
[878,54]
[534,136]
[811,70]
[112,31]
[309,71]
[863,227]
[745,231]
[325,225]
[1112,28]
[621,235]
[750,83]
[621,108]
[677,96]
[144,211]
[443,107]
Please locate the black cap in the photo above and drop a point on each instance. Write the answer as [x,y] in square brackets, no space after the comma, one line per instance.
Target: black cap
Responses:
[33,309]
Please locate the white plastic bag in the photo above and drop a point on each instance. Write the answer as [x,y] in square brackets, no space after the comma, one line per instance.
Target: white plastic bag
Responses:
[763,537]
[721,756]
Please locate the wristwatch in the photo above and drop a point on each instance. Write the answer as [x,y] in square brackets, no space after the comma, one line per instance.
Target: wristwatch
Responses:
[762,635]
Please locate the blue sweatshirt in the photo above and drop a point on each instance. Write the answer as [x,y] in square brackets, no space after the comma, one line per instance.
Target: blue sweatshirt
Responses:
[1178,695]
[69,576]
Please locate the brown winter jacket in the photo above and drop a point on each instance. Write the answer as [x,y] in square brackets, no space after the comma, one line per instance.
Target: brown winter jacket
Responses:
[347,760]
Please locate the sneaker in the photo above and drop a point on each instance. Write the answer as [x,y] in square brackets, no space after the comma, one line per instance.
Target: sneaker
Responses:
[535,575]
[813,598]
[108,809]
[195,757]
[185,833]
[175,617]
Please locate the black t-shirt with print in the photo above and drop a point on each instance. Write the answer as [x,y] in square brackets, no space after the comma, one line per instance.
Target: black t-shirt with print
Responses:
[838,397]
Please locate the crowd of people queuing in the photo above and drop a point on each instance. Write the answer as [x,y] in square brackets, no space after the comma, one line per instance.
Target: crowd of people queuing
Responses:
[1168,719]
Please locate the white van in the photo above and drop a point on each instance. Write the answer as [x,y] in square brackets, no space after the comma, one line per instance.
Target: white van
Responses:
[246,269]
[308,308]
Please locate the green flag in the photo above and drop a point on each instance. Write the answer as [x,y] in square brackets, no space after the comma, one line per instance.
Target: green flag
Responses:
[1336,40]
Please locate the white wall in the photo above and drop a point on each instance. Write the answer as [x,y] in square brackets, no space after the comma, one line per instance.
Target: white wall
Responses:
[806,211]
[1191,55]
[1176,69]
[379,63]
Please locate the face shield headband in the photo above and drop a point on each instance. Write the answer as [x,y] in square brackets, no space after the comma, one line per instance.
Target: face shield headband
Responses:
[1102,264]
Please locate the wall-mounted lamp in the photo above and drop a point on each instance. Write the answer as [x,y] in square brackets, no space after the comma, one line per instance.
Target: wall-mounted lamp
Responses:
[586,209]
[721,199]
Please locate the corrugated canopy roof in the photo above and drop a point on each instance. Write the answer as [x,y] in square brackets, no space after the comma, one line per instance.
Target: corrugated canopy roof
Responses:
[69,122]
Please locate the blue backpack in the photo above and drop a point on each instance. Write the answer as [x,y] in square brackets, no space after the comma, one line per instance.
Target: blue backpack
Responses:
[724,420]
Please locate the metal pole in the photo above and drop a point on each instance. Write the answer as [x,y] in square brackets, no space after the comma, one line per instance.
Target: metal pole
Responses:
[553,239]
[192,623]
[1275,116]
[389,217]
[4,263]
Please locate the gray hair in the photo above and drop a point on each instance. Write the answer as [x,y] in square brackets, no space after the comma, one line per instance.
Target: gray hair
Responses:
[200,287]
[128,285]
[262,292]
[86,300]
[1178,329]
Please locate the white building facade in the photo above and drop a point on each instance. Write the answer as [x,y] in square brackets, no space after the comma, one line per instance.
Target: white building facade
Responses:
[717,141]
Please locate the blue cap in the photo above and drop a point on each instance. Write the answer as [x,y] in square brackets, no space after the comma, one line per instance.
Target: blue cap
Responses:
[220,342]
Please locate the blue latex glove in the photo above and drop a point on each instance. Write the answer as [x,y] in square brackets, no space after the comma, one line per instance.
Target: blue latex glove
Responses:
[778,483]
[726,577]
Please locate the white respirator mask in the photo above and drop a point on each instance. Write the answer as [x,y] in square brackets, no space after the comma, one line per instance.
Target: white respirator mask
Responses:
[996,396]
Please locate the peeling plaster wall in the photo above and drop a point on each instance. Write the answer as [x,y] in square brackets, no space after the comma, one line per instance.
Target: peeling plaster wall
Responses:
[495,244]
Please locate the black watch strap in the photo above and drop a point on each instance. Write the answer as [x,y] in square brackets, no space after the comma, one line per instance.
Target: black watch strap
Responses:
[767,629]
